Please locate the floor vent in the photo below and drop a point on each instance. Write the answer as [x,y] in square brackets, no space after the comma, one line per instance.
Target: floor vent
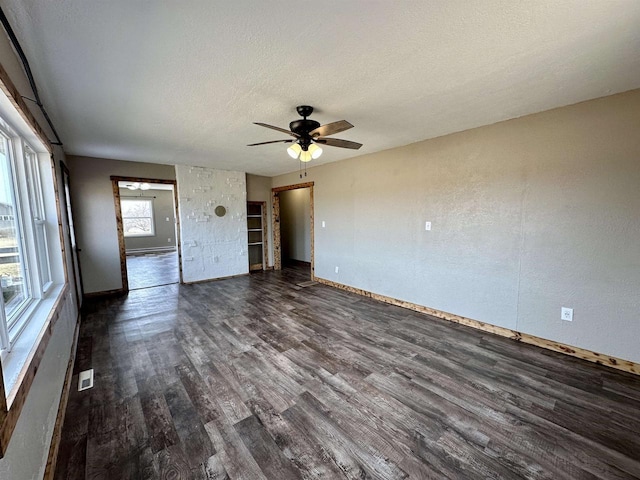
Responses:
[85,380]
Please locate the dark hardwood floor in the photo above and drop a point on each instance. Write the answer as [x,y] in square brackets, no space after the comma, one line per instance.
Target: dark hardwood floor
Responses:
[152,270]
[255,377]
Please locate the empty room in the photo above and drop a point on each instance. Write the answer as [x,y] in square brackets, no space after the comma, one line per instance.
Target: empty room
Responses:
[351,240]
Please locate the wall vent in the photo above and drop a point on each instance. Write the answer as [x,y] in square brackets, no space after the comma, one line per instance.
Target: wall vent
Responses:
[85,380]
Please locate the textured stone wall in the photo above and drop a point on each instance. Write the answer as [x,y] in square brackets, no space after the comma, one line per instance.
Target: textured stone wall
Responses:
[212,246]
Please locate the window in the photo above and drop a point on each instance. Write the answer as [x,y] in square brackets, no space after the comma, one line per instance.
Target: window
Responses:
[137,217]
[25,269]
[13,278]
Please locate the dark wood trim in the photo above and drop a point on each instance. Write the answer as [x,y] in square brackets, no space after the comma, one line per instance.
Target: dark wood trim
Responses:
[216,279]
[299,263]
[177,227]
[16,99]
[18,395]
[277,246]
[275,225]
[595,357]
[143,180]
[292,187]
[121,241]
[50,468]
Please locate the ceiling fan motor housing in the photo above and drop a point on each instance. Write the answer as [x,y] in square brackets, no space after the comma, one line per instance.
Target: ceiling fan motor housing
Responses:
[304,126]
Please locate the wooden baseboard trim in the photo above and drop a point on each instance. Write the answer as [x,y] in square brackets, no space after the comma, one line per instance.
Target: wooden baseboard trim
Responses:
[298,263]
[599,358]
[105,294]
[216,279]
[50,468]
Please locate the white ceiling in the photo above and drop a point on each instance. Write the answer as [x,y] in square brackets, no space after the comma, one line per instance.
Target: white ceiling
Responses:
[182,81]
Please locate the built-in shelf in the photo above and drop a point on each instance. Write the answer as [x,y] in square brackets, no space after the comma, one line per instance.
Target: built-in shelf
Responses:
[257,235]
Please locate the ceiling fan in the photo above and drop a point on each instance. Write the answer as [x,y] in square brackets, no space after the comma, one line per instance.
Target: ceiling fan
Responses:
[309,135]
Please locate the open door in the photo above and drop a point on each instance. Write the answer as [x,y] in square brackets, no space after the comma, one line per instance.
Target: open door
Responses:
[71,234]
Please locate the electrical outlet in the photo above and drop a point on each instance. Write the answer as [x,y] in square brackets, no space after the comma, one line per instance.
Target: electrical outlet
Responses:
[427,226]
[337,269]
[566,314]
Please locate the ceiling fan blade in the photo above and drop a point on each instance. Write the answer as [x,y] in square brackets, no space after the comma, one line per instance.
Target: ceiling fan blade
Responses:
[272,141]
[331,128]
[336,142]
[288,132]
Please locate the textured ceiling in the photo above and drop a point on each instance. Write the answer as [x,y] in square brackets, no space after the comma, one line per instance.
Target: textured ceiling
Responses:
[182,81]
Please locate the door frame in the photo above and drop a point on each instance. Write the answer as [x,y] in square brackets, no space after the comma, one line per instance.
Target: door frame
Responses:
[73,239]
[277,246]
[120,228]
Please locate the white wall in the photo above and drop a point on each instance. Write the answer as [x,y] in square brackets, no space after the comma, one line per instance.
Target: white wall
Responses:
[528,215]
[26,455]
[212,246]
[295,224]
[95,215]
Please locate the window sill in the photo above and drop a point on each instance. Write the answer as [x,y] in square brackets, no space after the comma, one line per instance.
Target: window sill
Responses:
[16,362]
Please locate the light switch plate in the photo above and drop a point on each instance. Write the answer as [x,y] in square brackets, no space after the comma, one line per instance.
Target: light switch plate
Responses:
[427,226]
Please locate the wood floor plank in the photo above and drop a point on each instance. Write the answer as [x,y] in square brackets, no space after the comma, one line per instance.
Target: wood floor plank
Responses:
[264,450]
[256,378]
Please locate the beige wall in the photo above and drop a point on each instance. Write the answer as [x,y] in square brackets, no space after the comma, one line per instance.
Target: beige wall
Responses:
[164,217]
[97,236]
[528,216]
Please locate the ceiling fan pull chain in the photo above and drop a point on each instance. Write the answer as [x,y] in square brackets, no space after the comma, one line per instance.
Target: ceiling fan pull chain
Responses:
[300,168]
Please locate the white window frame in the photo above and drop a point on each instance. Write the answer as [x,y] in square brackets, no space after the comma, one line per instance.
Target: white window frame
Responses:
[151,217]
[29,216]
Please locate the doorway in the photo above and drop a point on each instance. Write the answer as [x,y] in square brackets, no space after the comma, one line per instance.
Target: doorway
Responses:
[148,234]
[293,227]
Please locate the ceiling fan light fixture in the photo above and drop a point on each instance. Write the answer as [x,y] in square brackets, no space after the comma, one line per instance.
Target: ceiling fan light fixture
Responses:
[145,186]
[294,150]
[305,156]
[315,151]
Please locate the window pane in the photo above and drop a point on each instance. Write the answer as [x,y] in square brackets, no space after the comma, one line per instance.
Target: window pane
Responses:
[137,216]
[136,208]
[137,226]
[43,255]
[12,267]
